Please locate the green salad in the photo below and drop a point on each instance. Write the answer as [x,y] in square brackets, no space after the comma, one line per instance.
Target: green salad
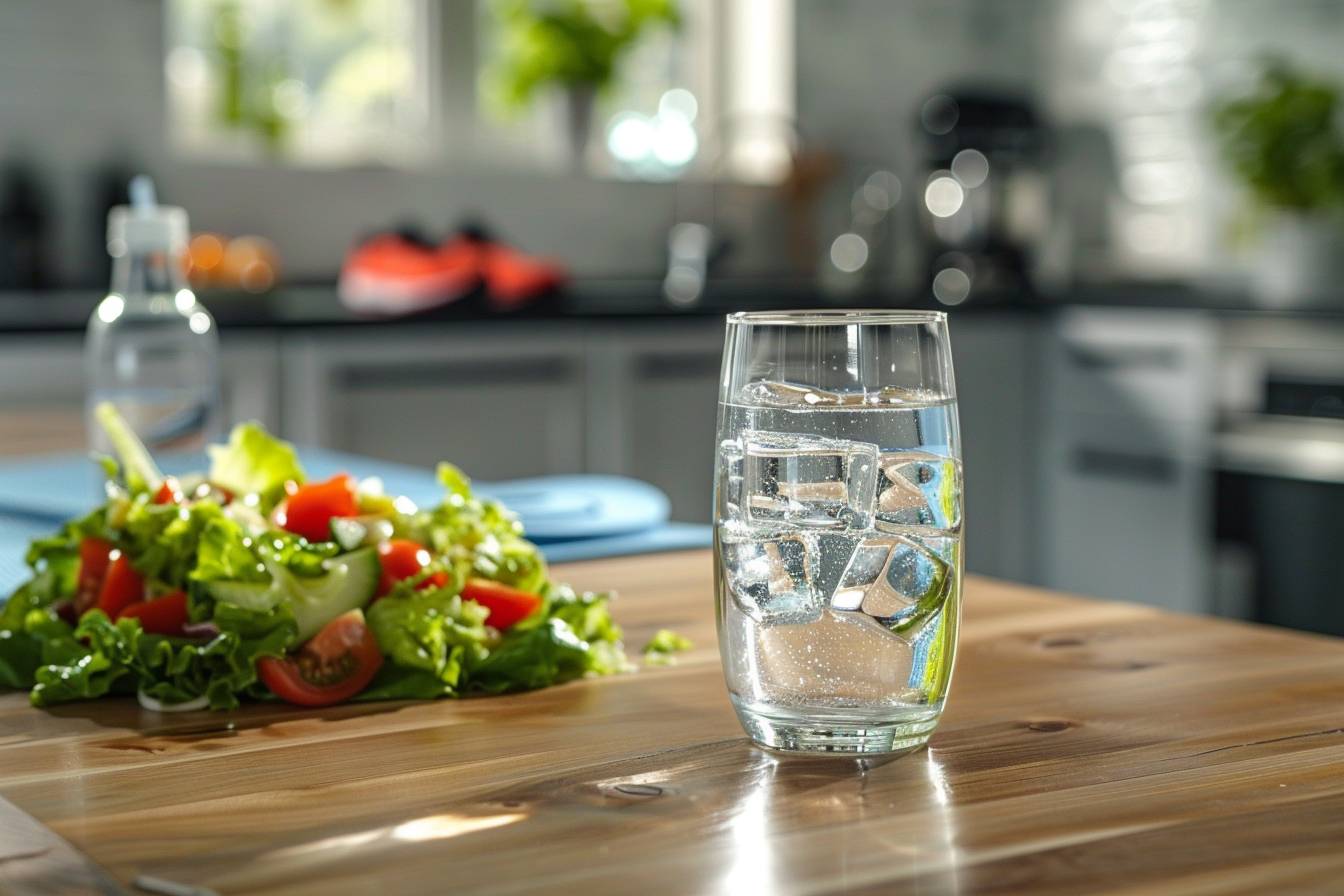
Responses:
[251,581]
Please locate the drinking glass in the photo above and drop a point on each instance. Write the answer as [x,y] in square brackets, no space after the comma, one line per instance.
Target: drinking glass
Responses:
[837,527]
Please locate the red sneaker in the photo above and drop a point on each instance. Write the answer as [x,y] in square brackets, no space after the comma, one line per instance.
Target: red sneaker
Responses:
[513,278]
[397,274]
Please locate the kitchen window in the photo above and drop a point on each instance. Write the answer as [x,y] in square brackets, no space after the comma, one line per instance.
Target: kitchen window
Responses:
[321,83]
[310,82]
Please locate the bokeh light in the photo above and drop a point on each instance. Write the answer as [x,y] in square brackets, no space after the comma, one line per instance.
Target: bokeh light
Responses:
[943,197]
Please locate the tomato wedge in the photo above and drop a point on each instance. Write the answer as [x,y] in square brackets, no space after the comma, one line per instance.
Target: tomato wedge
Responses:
[335,665]
[310,508]
[506,605]
[94,557]
[122,587]
[169,493]
[402,558]
[162,616]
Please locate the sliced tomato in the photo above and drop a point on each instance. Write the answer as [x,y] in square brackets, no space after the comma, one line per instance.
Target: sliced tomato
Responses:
[506,605]
[402,558]
[169,493]
[335,665]
[94,557]
[310,508]
[122,587]
[163,615]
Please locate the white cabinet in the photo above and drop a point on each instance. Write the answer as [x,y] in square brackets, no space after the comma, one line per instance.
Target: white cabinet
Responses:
[499,401]
[1124,470]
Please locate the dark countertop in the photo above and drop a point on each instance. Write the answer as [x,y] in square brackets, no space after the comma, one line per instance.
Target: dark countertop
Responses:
[615,299]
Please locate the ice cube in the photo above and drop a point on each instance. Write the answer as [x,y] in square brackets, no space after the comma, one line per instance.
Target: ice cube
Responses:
[770,579]
[801,480]
[915,488]
[895,580]
[730,480]
[767,393]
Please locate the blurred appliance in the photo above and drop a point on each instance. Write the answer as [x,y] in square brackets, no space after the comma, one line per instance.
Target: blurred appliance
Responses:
[1280,460]
[986,200]
[24,230]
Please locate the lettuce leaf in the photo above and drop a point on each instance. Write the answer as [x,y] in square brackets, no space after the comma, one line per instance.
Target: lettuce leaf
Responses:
[122,657]
[41,639]
[480,538]
[254,462]
[573,636]
[427,637]
[162,539]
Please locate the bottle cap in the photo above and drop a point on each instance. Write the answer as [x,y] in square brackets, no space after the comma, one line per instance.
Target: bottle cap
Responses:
[144,225]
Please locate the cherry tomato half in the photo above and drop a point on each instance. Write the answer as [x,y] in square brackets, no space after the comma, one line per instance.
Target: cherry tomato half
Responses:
[310,508]
[122,587]
[335,665]
[402,558]
[506,605]
[94,557]
[162,616]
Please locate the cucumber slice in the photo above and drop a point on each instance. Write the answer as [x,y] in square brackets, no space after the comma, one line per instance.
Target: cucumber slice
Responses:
[348,584]
[255,596]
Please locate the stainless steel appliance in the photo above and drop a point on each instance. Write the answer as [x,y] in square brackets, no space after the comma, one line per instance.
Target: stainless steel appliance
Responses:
[1279,452]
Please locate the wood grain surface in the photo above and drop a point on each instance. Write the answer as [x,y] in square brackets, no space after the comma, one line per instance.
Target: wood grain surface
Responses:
[1087,747]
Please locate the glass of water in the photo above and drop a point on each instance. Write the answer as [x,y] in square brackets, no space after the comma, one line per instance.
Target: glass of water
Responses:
[837,530]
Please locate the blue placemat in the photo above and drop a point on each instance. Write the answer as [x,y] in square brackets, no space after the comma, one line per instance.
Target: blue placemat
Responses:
[569,517]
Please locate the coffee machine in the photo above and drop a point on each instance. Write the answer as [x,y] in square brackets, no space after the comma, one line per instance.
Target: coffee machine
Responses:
[984,205]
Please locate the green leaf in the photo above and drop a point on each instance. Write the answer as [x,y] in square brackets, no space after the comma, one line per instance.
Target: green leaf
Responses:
[225,553]
[432,631]
[121,656]
[573,636]
[663,646]
[142,474]
[255,463]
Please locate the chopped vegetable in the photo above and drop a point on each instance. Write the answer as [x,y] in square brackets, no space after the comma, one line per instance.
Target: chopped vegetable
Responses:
[254,463]
[333,667]
[166,615]
[310,509]
[663,647]
[122,587]
[507,606]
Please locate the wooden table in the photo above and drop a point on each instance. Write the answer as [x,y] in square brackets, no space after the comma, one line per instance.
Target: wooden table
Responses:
[1088,746]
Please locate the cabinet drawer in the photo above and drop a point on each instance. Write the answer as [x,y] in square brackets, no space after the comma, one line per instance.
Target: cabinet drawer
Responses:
[1133,364]
[1127,515]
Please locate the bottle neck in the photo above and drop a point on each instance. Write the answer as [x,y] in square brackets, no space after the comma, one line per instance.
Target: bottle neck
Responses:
[140,273]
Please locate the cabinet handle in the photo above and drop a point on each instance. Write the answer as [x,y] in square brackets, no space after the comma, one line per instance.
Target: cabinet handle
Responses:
[1091,357]
[1123,465]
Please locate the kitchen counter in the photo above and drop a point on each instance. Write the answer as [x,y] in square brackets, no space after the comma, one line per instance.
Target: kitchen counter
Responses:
[1088,746]
[619,299]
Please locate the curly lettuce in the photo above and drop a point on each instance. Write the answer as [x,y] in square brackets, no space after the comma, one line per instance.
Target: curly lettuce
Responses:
[254,462]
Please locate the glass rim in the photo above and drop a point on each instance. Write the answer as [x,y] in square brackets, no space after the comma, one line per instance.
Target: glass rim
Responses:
[834,317]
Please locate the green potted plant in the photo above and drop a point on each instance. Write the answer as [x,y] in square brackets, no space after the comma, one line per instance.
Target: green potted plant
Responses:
[572,47]
[1284,143]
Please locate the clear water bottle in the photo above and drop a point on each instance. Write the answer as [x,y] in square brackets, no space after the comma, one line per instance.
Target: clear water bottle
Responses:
[152,349]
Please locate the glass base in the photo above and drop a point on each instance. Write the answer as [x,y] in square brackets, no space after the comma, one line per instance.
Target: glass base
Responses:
[827,736]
